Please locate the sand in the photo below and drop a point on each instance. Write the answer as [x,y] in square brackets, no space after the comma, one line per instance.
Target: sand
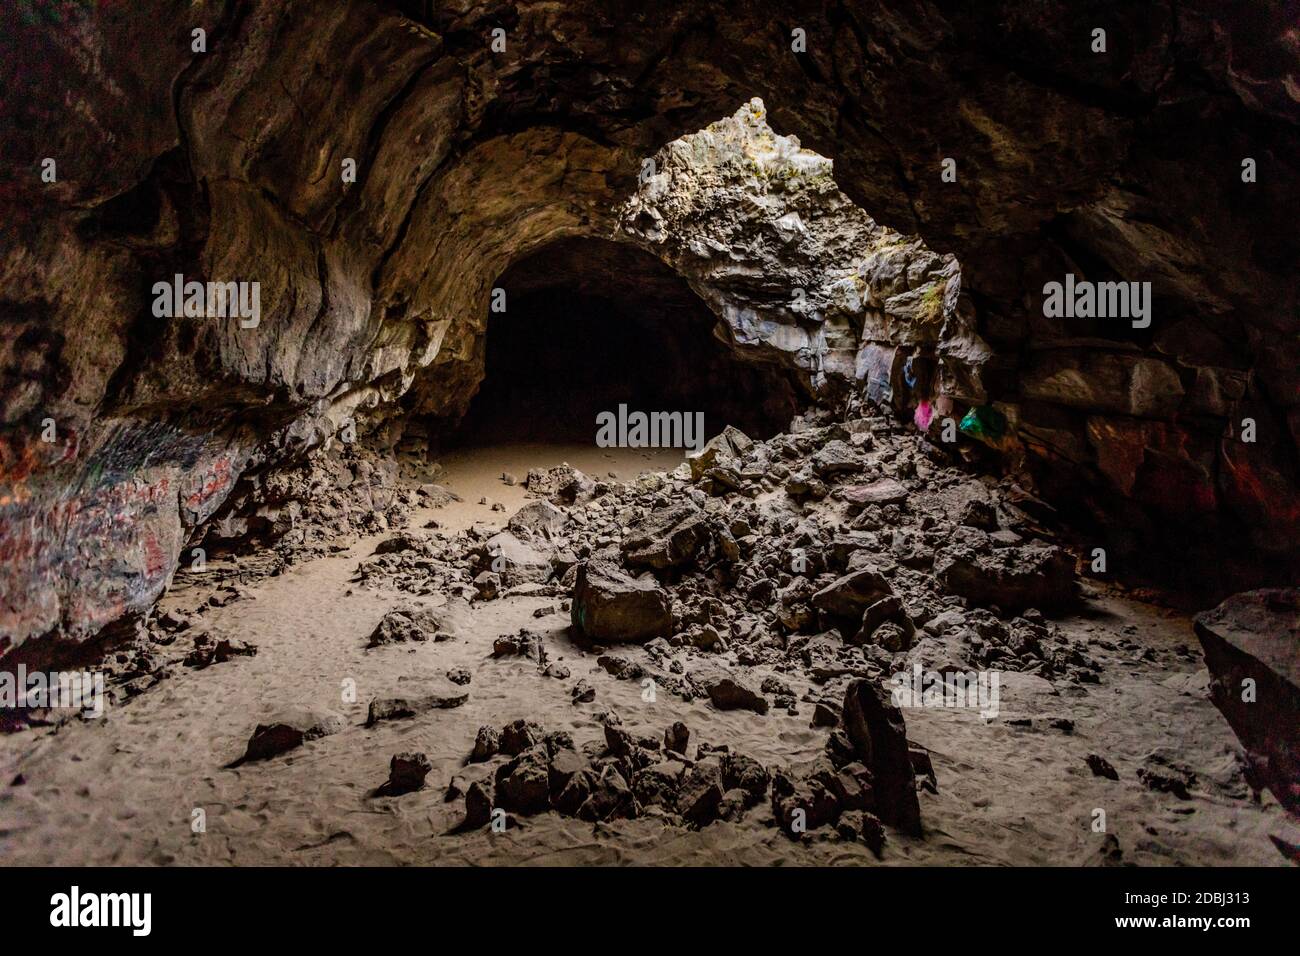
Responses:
[124,789]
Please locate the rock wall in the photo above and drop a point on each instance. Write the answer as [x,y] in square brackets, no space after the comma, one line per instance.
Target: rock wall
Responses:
[224,160]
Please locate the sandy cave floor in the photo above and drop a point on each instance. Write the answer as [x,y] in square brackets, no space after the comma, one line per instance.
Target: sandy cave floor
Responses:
[121,790]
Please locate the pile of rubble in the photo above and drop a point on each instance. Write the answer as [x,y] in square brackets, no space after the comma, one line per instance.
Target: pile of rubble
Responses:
[835,555]
[837,550]
[866,778]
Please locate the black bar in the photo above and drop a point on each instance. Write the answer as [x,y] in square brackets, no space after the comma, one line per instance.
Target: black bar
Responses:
[439,906]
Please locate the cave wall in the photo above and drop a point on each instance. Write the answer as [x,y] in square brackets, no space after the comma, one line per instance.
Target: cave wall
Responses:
[225,164]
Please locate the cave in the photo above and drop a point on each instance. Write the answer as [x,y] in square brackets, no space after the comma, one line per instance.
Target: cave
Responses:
[988,314]
[587,325]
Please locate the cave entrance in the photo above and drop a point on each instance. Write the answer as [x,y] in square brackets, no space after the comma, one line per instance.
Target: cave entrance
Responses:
[590,325]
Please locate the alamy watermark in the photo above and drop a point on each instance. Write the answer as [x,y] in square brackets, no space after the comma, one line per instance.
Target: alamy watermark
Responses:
[77,909]
[1098,300]
[56,689]
[212,300]
[626,429]
[974,690]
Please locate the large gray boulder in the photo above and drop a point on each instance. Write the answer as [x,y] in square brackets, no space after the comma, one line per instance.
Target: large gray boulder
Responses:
[610,605]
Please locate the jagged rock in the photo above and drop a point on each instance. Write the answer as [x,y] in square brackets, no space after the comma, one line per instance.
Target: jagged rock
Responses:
[565,764]
[1101,767]
[666,538]
[406,773]
[719,448]
[835,458]
[459,676]
[802,804]
[887,610]
[1254,636]
[515,562]
[658,784]
[852,594]
[875,727]
[700,793]
[478,806]
[610,797]
[486,744]
[620,668]
[524,644]
[523,784]
[1162,773]
[289,729]
[583,692]
[1012,579]
[406,541]
[746,775]
[978,513]
[410,624]
[611,606]
[886,491]
[826,714]
[537,518]
[488,584]
[676,738]
[727,691]
[398,708]
[518,736]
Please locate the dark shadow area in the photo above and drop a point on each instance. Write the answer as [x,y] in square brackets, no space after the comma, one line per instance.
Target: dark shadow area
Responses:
[591,324]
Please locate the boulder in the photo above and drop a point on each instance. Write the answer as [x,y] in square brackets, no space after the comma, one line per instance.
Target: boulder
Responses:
[849,596]
[406,773]
[1255,636]
[538,518]
[444,695]
[405,624]
[666,538]
[727,691]
[1011,579]
[876,728]
[610,605]
[886,491]
[288,729]
[516,562]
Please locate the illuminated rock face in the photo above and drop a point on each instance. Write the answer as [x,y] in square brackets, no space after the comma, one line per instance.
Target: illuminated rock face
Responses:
[376,167]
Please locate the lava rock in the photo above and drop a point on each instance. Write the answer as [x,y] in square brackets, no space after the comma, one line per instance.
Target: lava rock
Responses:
[850,595]
[876,728]
[1253,636]
[398,708]
[1011,579]
[610,606]
[406,773]
[1101,767]
[727,692]
[676,738]
[289,729]
[486,745]
[666,538]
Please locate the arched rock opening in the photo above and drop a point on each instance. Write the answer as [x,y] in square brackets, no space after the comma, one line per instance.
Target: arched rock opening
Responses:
[590,324]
